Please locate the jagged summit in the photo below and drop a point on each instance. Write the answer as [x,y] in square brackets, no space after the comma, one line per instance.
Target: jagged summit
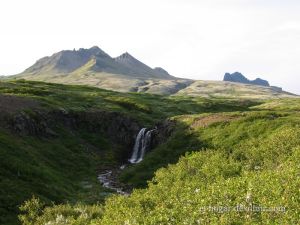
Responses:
[95,47]
[125,57]
[161,70]
[137,67]
[65,61]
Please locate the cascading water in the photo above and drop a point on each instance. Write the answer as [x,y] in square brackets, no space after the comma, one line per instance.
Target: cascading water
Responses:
[142,144]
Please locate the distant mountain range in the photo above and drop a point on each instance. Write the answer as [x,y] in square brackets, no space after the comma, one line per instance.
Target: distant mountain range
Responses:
[125,73]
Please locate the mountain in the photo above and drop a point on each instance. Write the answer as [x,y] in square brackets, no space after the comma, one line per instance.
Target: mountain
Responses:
[68,61]
[94,67]
[125,73]
[240,78]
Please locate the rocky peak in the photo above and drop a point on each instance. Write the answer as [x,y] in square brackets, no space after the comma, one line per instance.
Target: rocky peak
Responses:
[262,82]
[161,70]
[236,77]
[125,57]
[240,78]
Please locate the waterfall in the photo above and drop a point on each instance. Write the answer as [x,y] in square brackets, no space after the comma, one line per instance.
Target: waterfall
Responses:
[142,144]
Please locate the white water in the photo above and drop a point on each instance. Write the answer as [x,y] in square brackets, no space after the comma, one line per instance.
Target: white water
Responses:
[107,179]
[142,144]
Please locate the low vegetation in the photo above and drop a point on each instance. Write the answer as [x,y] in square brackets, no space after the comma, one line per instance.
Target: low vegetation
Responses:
[223,154]
[63,168]
[247,173]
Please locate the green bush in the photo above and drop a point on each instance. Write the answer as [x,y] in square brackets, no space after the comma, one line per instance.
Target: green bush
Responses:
[35,213]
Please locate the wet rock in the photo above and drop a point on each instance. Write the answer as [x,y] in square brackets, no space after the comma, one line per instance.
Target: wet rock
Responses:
[162,132]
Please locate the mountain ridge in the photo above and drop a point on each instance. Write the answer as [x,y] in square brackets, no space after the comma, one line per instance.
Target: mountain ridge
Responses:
[67,61]
[125,73]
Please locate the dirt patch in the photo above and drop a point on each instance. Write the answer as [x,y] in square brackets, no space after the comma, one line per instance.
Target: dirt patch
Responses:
[208,120]
[11,104]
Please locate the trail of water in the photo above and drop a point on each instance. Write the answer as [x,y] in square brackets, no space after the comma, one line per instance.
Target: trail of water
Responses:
[108,179]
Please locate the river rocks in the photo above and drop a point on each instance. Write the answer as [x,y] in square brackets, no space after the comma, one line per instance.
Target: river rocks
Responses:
[109,180]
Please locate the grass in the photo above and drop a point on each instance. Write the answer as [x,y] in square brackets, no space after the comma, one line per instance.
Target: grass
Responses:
[52,169]
[60,169]
[232,90]
[224,133]
[231,159]
[146,108]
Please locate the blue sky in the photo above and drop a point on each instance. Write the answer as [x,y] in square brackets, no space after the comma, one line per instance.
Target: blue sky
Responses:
[199,39]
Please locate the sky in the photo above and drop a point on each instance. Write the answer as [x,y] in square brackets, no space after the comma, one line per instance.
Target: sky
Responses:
[198,39]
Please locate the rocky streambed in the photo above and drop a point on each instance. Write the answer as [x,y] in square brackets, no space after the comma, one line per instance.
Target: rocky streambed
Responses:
[108,178]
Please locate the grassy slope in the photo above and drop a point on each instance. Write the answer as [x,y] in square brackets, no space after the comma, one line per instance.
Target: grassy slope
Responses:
[194,133]
[146,108]
[117,82]
[232,90]
[55,170]
[249,158]
[58,169]
[123,83]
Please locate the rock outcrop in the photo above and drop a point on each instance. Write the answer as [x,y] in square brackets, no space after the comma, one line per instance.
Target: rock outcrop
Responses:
[162,132]
[137,68]
[240,78]
[116,127]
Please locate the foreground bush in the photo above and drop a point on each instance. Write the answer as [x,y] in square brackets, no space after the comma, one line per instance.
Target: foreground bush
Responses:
[35,213]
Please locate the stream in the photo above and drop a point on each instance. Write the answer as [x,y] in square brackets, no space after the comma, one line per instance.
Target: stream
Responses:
[108,179]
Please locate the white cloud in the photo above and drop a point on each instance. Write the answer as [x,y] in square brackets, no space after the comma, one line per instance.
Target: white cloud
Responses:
[200,39]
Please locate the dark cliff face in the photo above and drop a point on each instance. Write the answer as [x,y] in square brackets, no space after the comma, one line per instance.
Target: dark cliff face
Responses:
[119,129]
[163,131]
[240,78]
[236,77]
[261,82]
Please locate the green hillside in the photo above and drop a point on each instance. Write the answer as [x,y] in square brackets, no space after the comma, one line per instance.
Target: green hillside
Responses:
[55,138]
[241,168]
